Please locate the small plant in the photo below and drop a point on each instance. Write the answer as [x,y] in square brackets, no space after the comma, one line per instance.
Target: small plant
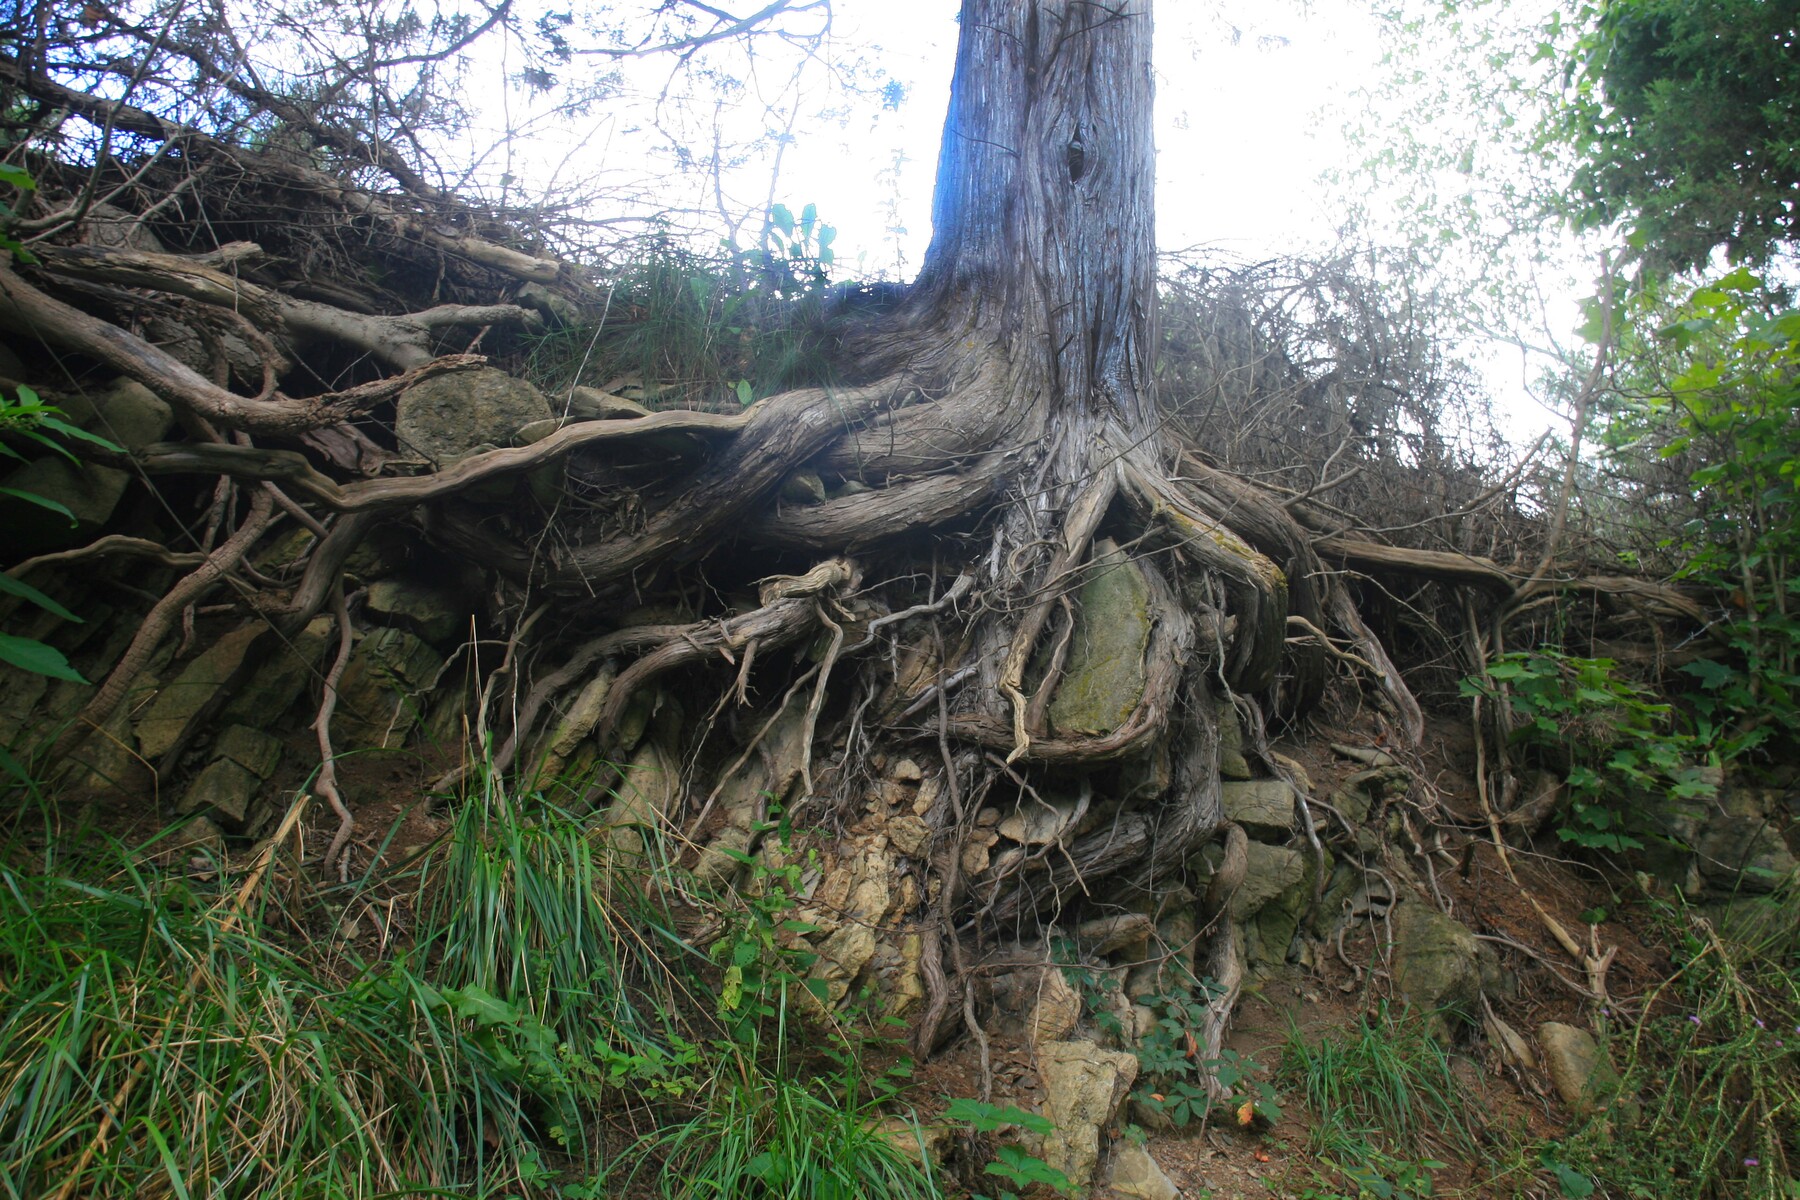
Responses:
[28,417]
[20,180]
[1011,1163]
[1173,1076]
[1619,742]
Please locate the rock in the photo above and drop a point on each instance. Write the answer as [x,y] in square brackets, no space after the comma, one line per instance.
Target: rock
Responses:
[179,699]
[1268,936]
[555,308]
[1583,1075]
[896,976]
[1103,679]
[1057,1010]
[1034,824]
[803,487]
[112,227]
[256,752]
[131,415]
[907,771]
[283,675]
[927,1145]
[842,957]
[1104,935]
[223,787]
[447,418]
[1083,1088]
[537,431]
[201,839]
[1436,963]
[439,615]
[1232,763]
[1264,807]
[1509,1042]
[1134,1175]
[909,835]
[1269,872]
[592,404]
[377,703]
[642,800]
[1740,850]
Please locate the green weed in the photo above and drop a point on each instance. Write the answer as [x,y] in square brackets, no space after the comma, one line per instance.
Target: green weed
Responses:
[156,1040]
[1384,1103]
[1711,1095]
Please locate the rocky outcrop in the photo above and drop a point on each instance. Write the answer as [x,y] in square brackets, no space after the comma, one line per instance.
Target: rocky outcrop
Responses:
[1134,1175]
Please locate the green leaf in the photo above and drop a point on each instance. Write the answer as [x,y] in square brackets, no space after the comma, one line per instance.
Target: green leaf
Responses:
[41,502]
[15,587]
[481,1006]
[16,176]
[746,394]
[782,219]
[79,434]
[31,655]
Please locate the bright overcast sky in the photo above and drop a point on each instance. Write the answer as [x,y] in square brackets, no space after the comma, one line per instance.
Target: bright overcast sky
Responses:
[1240,134]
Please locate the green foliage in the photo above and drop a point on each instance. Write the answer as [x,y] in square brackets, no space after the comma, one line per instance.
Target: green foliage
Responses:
[1172,1075]
[1384,1103]
[1732,408]
[19,181]
[1711,1066]
[786,1105]
[1613,738]
[1011,1163]
[153,1041]
[707,331]
[27,417]
[1685,115]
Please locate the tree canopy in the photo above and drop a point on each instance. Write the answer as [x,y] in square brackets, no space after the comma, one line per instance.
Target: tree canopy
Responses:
[1688,126]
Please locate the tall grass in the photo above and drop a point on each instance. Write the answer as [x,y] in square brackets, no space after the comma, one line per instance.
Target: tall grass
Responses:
[152,1046]
[1383,1098]
[162,1037]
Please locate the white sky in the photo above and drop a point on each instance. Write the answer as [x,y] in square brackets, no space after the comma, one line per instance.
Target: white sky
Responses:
[1241,132]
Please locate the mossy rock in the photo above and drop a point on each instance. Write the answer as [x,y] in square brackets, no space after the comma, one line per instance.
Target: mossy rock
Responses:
[1103,679]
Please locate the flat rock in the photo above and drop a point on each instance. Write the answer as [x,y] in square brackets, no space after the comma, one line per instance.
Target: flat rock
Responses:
[280,678]
[1232,763]
[251,749]
[1269,872]
[440,615]
[449,417]
[378,695]
[1264,807]
[222,787]
[1740,850]
[1057,1010]
[179,699]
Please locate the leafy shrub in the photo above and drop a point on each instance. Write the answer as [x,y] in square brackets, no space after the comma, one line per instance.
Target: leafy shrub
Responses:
[1619,743]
